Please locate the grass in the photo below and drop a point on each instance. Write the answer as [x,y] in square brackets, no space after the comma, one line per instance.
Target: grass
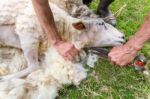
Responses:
[106,81]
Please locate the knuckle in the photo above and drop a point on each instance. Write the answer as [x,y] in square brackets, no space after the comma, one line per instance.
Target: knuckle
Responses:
[121,63]
[109,55]
[114,59]
[118,63]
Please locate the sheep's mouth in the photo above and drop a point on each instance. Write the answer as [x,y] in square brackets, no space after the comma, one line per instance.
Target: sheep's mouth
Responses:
[122,42]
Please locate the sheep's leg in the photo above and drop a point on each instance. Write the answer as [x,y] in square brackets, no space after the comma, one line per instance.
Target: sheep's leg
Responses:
[29,44]
[8,36]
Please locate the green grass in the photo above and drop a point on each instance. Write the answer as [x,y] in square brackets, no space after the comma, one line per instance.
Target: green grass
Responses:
[106,81]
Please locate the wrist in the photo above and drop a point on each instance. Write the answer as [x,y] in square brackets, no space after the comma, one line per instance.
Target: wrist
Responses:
[134,45]
[53,36]
[130,49]
[55,42]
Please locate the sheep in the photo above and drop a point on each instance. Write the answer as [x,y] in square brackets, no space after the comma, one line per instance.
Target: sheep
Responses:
[20,29]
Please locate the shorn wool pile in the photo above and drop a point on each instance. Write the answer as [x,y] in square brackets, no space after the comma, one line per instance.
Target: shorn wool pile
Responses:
[25,50]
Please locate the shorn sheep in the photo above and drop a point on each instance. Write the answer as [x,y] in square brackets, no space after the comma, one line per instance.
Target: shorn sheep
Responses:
[25,51]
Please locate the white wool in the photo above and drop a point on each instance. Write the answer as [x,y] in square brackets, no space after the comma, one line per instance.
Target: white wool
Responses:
[91,59]
[47,92]
[57,66]
[45,82]
[47,86]
[30,88]
[12,89]
[11,60]
[6,9]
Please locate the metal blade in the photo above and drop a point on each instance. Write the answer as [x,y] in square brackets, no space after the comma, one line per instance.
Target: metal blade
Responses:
[102,52]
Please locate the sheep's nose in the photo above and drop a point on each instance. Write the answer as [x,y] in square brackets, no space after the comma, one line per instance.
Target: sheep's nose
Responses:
[123,37]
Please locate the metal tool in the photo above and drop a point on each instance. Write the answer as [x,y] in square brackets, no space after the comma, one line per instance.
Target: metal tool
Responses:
[139,62]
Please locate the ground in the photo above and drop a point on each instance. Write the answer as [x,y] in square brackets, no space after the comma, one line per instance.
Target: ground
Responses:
[107,81]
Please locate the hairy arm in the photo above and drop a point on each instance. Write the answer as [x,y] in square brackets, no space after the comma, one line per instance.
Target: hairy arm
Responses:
[123,55]
[46,19]
[142,36]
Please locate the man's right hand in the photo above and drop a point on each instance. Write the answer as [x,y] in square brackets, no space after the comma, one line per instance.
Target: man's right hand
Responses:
[67,50]
[122,55]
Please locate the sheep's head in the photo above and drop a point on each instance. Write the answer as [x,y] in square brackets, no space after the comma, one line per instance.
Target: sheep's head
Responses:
[96,33]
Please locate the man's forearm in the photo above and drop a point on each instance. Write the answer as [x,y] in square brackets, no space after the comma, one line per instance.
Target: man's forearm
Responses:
[143,35]
[46,19]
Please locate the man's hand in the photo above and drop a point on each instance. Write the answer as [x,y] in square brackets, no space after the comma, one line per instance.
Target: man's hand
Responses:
[122,55]
[125,54]
[67,50]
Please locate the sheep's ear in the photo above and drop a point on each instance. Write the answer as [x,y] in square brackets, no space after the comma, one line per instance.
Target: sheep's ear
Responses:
[79,26]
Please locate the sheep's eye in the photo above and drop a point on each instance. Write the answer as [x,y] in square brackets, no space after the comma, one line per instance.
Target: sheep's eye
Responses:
[99,23]
[102,24]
